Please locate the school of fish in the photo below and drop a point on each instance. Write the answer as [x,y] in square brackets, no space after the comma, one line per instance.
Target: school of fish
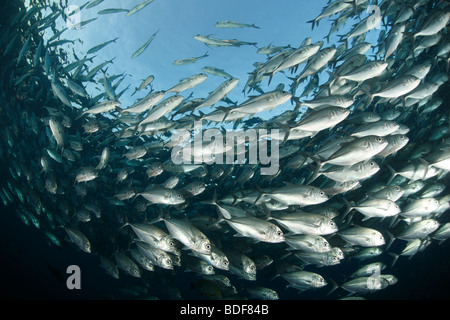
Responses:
[364,153]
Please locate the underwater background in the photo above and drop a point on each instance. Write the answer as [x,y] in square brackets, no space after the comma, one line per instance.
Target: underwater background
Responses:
[35,268]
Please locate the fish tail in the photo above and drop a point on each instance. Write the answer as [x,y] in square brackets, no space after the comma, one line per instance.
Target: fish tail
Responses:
[391,239]
[393,174]
[261,193]
[124,225]
[413,39]
[394,256]
[79,116]
[159,218]
[316,170]
[267,213]
[349,208]
[313,22]
[284,256]
[221,218]
[335,78]
[213,201]
[334,286]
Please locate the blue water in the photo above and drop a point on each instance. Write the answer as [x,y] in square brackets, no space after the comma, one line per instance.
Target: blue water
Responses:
[32,268]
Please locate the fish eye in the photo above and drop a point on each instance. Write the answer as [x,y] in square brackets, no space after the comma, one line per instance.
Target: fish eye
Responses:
[379,139]
[322,193]
[168,261]
[372,163]
[225,263]
[208,246]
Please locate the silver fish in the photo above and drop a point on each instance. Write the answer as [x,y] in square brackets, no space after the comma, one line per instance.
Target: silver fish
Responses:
[188,235]
[362,236]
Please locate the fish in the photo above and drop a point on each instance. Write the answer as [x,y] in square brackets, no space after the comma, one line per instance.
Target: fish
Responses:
[365,284]
[362,236]
[241,265]
[307,242]
[377,207]
[156,256]
[263,102]
[112,10]
[262,293]
[145,103]
[219,93]
[139,7]
[304,280]
[139,51]
[109,266]
[100,46]
[249,226]
[78,238]
[155,237]
[58,132]
[161,195]
[188,83]
[101,107]
[234,24]
[162,108]
[94,3]
[188,235]
[360,149]
[127,265]
[216,71]
[181,62]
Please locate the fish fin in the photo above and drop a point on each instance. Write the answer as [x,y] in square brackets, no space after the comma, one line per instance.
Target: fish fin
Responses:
[335,78]
[80,115]
[267,213]
[349,208]
[413,39]
[213,201]
[284,256]
[160,216]
[393,174]
[427,165]
[334,286]
[395,256]
[316,171]
[313,22]
[261,193]
[394,221]
[391,239]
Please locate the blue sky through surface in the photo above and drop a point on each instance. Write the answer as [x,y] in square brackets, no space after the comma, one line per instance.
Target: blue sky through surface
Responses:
[281,23]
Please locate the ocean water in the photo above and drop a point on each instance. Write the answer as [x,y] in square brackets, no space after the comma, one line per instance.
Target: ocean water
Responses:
[35,268]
